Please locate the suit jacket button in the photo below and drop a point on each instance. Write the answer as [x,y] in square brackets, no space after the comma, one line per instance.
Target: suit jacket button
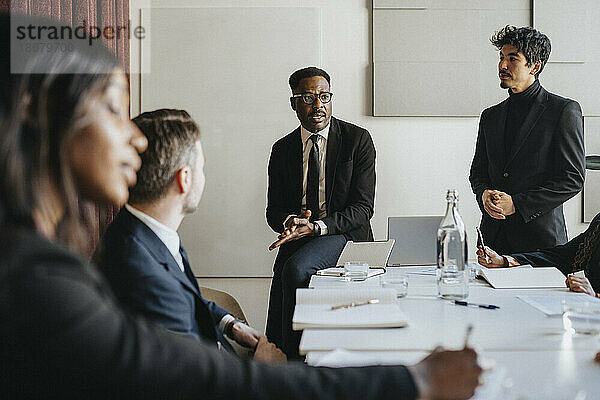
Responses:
[505,174]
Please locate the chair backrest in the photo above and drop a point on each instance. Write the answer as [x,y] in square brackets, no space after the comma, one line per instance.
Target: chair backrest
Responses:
[415,240]
[229,303]
[225,300]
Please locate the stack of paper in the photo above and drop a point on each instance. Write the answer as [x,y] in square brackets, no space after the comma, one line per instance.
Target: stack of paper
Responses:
[314,308]
[523,277]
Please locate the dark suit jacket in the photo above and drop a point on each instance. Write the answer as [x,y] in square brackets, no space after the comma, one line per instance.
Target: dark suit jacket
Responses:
[545,168]
[64,335]
[349,181]
[562,256]
[147,280]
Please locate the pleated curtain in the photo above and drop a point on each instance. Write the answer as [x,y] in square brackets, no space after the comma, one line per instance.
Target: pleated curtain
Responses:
[100,13]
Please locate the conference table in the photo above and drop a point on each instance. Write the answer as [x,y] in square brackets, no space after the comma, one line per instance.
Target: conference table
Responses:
[529,355]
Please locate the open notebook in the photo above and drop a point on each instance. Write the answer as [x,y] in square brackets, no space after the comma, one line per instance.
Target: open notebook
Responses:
[523,277]
[375,254]
[313,309]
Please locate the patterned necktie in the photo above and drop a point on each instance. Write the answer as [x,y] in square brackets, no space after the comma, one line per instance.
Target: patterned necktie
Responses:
[312,182]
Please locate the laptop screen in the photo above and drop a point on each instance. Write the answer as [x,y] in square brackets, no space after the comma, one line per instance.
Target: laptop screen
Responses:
[416,240]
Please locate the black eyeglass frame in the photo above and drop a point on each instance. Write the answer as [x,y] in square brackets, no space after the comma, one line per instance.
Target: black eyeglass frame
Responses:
[315,95]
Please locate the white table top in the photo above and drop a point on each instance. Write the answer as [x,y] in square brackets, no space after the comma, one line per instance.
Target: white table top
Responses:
[541,361]
[433,322]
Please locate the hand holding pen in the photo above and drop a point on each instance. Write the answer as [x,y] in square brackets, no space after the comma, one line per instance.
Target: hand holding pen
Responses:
[436,381]
[481,245]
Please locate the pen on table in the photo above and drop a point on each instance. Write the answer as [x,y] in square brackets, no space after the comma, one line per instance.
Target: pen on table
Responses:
[467,304]
[468,335]
[372,301]
[330,273]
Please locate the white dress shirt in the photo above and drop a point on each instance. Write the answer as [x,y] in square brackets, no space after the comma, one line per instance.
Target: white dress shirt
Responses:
[307,145]
[306,148]
[168,236]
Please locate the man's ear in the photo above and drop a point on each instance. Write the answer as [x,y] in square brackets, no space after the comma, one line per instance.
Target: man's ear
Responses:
[293,103]
[536,68]
[183,179]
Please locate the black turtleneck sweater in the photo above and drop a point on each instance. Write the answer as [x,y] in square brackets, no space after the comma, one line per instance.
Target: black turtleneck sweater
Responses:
[519,105]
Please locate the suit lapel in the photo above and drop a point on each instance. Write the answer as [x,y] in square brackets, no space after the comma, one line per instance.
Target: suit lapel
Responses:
[187,269]
[295,168]
[497,138]
[333,151]
[157,249]
[537,109]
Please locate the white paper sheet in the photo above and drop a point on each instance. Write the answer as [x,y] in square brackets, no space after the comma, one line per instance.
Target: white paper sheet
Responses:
[553,305]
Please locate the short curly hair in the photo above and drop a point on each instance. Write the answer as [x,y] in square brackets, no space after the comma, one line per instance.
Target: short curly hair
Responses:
[172,137]
[307,72]
[532,43]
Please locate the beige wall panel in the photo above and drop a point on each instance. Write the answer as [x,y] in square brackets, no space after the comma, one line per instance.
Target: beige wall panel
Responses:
[453,4]
[423,35]
[440,56]
[567,25]
[429,89]
[401,3]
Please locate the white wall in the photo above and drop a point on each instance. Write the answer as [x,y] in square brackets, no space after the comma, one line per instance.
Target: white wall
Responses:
[417,158]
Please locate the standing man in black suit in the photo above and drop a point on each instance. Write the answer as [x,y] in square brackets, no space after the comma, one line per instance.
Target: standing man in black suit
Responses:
[321,194]
[141,254]
[529,158]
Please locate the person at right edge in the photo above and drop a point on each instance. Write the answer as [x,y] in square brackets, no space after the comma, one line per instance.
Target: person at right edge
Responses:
[582,253]
[529,157]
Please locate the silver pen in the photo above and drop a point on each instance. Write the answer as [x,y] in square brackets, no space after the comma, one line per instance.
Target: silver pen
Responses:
[372,301]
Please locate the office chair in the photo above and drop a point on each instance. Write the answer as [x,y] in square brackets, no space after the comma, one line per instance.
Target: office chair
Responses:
[229,303]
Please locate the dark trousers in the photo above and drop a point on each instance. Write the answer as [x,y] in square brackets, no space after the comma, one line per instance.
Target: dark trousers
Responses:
[296,262]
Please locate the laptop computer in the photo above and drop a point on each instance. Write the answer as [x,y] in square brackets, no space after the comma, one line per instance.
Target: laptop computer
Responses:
[416,240]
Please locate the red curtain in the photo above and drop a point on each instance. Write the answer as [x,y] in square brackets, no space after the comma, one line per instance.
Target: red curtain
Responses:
[100,13]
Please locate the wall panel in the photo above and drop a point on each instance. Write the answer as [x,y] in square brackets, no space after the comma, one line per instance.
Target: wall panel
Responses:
[435,55]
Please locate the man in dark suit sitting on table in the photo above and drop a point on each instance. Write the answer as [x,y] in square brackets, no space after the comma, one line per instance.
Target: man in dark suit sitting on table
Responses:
[321,193]
[141,255]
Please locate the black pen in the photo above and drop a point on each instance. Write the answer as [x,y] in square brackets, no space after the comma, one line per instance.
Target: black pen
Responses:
[467,304]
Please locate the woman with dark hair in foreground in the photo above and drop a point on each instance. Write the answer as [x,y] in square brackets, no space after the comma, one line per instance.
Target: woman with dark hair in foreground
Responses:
[66,138]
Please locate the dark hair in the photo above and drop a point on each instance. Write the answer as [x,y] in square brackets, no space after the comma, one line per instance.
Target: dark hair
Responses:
[307,72]
[41,105]
[172,137]
[532,43]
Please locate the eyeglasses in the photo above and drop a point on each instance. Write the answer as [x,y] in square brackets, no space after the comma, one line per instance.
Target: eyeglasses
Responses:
[309,98]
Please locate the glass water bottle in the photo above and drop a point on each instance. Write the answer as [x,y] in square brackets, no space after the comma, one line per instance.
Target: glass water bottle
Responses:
[452,266]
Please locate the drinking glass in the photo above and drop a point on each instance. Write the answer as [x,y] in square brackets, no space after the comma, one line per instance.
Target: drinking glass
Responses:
[395,279]
[582,318]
